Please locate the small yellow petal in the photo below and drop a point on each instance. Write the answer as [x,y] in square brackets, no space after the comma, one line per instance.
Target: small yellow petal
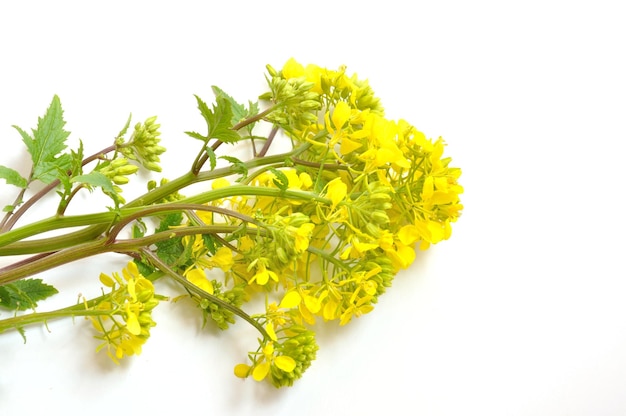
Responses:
[269,328]
[106,280]
[408,234]
[132,323]
[290,300]
[428,189]
[336,191]
[341,114]
[198,278]
[348,146]
[312,303]
[242,370]
[292,69]
[260,371]
[285,363]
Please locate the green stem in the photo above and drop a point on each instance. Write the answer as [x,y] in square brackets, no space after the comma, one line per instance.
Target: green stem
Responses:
[100,222]
[159,264]
[80,309]
[40,263]
[106,218]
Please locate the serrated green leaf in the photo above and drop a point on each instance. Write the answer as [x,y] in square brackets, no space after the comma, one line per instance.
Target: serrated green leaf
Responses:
[238,166]
[77,160]
[209,243]
[212,157]
[238,110]
[47,142]
[253,108]
[145,269]
[281,181]
[24,294]
[49,171]
[95,179]
[170,250]
[13,177]
[170,220]
[196,135]
[219,120]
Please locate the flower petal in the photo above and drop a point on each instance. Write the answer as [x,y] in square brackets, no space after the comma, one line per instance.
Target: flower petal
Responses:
[285,363]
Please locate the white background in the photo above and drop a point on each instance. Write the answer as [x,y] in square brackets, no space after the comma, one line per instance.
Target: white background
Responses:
[521,312]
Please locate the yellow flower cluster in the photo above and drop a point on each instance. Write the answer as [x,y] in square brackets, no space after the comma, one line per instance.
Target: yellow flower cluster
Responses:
[381,189]
[318,232]
[125,314]
[326,230]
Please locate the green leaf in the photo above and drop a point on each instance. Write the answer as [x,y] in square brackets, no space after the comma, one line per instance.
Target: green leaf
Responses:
[145,269]
[218,120]
[281,181]
[196,135]
[47,142]
[12,177]
[95,179]
[24,294]
[49,171]
[238,166]
[212,157]
[170,251]
[238,110]
[209,243]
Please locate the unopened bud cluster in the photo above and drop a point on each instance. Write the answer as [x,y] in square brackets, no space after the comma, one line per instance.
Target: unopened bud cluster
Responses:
[143,145]
[296,103]
[118,170]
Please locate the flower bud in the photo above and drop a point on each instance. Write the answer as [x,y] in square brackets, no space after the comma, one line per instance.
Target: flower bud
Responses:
[127,170]
[380,217]
[120,180]
[379,197]
[282,256]
[271,70]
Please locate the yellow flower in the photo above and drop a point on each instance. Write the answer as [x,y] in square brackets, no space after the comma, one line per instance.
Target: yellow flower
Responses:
[262,367]
[307,304]
[336,191]
[198,278]
[356,309]
[263,275]
[341,114]
[223,258]
[292,69]
[283,362]
[357,248]
[126,313]
[302,236]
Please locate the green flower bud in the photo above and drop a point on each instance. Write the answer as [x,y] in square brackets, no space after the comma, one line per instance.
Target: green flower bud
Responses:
[127,170]
[119,162]
[120,180]
[379,197]
[380,217]
[372,229]
[282,256]
[271,70]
